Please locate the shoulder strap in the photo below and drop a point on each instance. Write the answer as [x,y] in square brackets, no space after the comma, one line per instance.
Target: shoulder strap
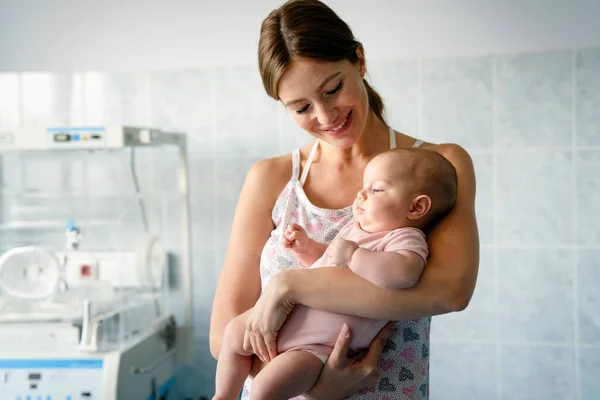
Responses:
[295,164]
[418,143]
[309,161]
[392,139]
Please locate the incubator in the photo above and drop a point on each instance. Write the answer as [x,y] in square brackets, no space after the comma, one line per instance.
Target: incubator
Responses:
[89,244]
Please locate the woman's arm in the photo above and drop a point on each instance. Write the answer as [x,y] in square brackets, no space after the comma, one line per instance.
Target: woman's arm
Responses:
[388,269]
[446,285]
[239,282]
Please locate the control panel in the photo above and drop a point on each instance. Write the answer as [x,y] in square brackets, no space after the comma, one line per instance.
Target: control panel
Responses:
[58,138]
[46,379]
[85,138]
[76,137]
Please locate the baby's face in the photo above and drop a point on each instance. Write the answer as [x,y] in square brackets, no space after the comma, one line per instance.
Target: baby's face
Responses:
[385,200]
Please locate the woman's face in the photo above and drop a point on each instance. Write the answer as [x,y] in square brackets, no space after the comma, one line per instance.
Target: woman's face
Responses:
[327,99]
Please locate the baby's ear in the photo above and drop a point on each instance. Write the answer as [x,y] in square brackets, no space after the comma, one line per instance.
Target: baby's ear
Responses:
[420,207]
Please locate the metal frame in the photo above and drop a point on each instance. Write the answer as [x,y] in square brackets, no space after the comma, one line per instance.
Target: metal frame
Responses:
[148,137]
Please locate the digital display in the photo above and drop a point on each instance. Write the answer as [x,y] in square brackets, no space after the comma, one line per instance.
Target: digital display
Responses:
[62,137]
[35,376]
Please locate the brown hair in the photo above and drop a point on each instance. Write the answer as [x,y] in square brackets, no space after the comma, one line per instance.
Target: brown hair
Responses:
[306,29]
[433,175]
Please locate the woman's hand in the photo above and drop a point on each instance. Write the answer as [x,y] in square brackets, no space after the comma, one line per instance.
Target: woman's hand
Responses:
[345,375]
[265,320]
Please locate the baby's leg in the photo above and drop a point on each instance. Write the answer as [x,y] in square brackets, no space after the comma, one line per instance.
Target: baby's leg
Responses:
[234,362]
[289,374]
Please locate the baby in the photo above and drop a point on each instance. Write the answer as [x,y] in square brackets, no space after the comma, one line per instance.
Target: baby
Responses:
[404,192]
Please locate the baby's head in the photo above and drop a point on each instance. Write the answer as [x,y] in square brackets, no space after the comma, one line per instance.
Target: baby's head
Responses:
[405,188]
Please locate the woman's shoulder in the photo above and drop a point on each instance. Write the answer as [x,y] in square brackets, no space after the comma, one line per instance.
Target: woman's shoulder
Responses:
[452,151]
[455,153]
[448,150]
[271,174]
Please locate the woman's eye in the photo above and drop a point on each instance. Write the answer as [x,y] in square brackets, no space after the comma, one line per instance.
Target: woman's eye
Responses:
[334,90]
[302,110]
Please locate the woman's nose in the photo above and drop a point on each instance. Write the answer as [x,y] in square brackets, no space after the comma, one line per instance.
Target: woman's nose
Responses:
[327,116]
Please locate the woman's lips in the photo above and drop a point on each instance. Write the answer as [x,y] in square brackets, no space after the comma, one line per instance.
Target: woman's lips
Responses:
[343,128]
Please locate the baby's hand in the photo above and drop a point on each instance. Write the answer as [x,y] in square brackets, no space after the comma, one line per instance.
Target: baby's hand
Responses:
[295,238]
[340,251]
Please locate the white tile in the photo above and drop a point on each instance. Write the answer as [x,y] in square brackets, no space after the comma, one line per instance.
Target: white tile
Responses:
[9,100]
[484,198]
[532,198]
[535,295]
[588,296]
[477,322]
[588,97]
[588,197]
[247,119]
[533,100]
[396,81]
[457,101]
[463,371]
[50,100]
[537,373]
[116,98]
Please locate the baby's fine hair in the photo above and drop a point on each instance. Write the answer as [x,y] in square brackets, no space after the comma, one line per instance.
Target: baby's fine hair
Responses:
[432,175]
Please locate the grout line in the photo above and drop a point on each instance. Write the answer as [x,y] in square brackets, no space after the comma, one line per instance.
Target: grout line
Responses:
[495,226]
[574,225]
[541,247]
[516,343]
[530,149]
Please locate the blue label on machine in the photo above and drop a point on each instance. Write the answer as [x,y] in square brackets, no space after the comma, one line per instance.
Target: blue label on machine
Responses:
[77,129]
[84,135]
[51,364]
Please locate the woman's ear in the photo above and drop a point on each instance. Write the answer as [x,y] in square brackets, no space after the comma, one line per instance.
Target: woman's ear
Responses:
[362,64]
[420,207]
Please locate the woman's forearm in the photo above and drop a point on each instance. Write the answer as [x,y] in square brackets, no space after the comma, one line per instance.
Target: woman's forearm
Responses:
[446,285]
[341,290]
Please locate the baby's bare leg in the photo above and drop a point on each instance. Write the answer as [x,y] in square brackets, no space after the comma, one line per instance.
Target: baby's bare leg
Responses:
[289,374]
[234,362]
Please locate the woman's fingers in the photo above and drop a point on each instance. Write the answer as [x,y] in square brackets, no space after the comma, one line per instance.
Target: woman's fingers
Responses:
[255,347]
[262,349]
[271,347]
[247,345]
[339,354]
[376,346]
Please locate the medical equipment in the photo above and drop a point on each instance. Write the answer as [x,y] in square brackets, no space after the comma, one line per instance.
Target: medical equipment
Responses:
[85,293]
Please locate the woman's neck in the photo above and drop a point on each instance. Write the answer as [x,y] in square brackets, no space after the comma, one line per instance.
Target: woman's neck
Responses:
[374,140]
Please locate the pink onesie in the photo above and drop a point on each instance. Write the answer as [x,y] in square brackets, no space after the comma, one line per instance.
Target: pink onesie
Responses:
[315,330]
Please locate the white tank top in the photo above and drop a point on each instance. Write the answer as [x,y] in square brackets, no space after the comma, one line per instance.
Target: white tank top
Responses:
[404,365]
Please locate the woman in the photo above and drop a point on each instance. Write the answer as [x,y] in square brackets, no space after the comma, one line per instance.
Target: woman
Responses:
[310,61]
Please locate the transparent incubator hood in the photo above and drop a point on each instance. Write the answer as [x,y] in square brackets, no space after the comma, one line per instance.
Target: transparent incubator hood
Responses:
[87,237]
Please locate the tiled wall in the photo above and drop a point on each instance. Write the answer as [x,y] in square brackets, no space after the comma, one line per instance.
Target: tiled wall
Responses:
[532,125]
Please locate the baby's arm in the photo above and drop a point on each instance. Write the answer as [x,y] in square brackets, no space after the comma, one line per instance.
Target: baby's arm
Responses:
[389,269]
[307,250]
